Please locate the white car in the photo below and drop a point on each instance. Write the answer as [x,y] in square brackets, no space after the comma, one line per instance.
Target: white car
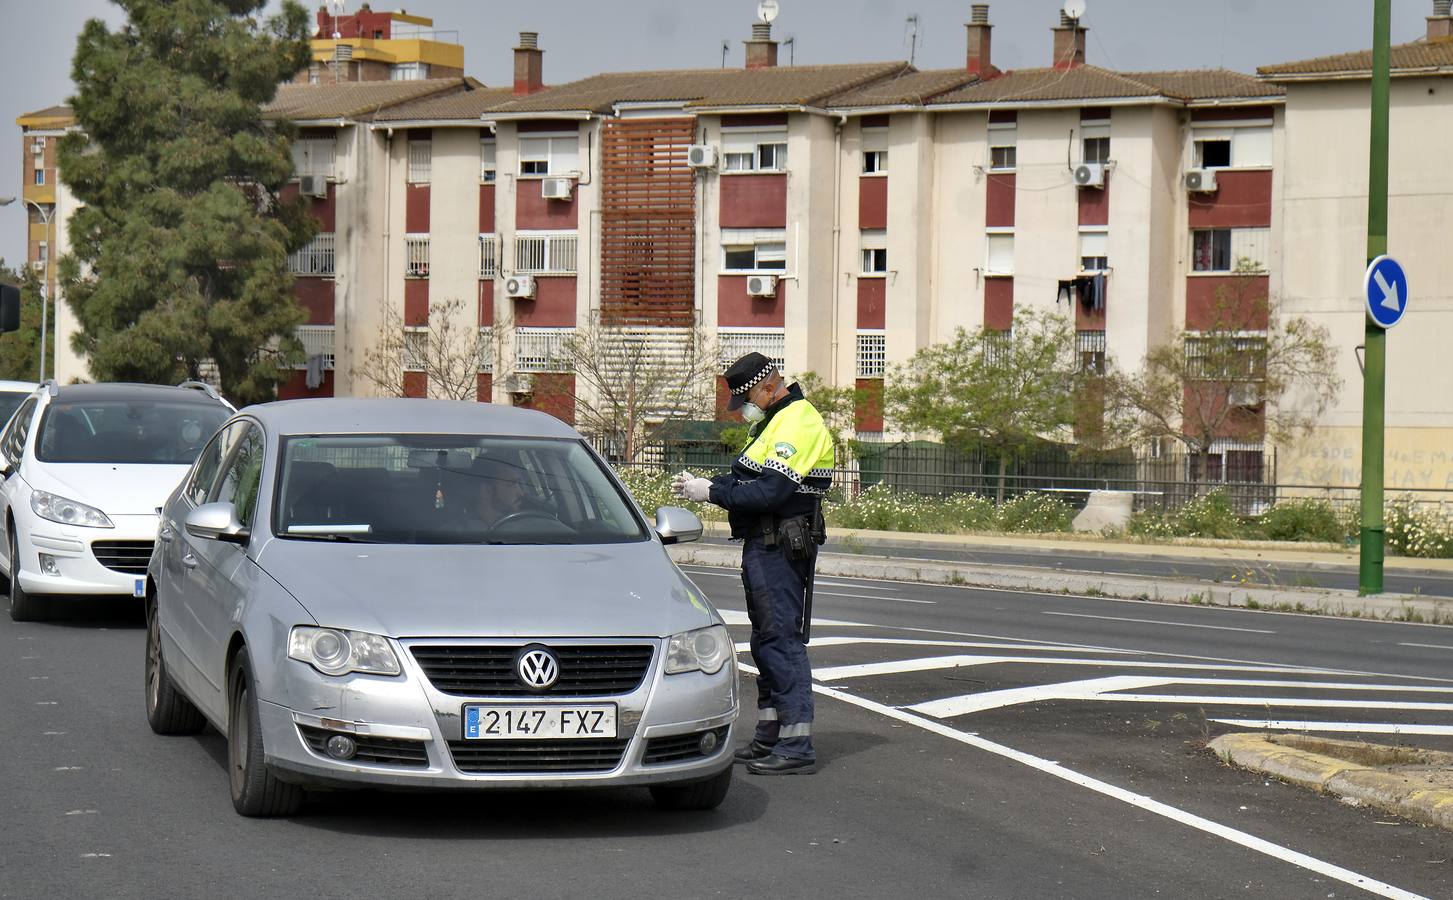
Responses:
[12,394]
[85,469]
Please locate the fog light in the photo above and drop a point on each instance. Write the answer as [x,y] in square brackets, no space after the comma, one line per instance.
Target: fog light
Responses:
[49,566]
[341,746]
[708,743]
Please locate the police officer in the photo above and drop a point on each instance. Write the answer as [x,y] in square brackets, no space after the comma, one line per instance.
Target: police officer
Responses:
[773,497]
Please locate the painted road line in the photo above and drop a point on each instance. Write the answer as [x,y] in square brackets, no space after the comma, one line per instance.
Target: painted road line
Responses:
[1089,689]
[1320,685]
[953,662]
[1356,727]
[817,593]
[861,587]
[1427,646]
[739,617]
[1156,622]
[1295,702]
[1140,801]
[989,645]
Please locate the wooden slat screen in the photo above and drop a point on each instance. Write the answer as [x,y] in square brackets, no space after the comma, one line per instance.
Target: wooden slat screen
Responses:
[648,223]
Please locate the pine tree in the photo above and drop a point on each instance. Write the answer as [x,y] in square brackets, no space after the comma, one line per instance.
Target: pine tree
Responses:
[180,253]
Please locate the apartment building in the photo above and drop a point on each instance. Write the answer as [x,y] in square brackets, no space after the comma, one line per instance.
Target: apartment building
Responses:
[46,200]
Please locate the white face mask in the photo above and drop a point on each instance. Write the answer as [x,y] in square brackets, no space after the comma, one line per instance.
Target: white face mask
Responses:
[752,412]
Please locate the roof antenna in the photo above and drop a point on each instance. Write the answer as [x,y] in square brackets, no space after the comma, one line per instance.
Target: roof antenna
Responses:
[791,44]
[912,38]
[726,47]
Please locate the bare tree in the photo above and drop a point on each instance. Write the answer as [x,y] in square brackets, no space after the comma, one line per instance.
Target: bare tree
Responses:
[450,357]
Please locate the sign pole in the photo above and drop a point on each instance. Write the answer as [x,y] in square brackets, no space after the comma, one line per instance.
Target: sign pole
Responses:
[1374,378]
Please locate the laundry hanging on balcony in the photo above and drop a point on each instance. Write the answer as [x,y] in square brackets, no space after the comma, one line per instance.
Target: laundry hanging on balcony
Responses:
[1087,290]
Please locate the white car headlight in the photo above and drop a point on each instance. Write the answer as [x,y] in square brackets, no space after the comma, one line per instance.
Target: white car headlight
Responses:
[67,512]
[705,649]
[333,651]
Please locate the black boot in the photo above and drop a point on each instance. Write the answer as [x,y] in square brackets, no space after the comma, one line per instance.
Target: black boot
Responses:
[781,765]
[754,750]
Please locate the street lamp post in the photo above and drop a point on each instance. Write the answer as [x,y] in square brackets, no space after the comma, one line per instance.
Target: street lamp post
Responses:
[45,278]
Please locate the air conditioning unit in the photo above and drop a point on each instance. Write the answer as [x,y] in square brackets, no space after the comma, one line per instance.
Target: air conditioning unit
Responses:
[1090,175]
[1201,181]
[557,188]
[519,384]
[701,156]
[1244,395]
[313,185]
[37,146]
[762,286]
[38,265]
[520,286]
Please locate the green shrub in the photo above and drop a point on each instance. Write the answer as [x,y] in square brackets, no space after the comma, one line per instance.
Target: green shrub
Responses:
[1035,513]
[1303,520]
[882,509]
[1420,532]
[1209,515]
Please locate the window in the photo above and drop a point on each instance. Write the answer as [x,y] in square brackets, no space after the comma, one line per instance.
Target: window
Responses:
[314,258]
[998,347]
[1213,154]
[733,344]
[315,73]
[313,156]
[1096,150]
[487,170]
[1094,251]
[754,151]
[317,340]
[13,443]
[40,175]
[1223,357]
[209,463]
[1230,249]
[1090,345]
[545,253]
[410,71]
[42,252]
[549,155]
[1241,147]
[486,348]
[754,249]
[875,251]
[416,349]
[416,250]
[1002,140]
[1000,255]
[488,256]
[875,151]
[421,161]
[1095,137]
[541,349]
[872,354]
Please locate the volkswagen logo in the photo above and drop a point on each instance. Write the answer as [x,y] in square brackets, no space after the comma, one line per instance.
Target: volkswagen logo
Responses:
[537,668]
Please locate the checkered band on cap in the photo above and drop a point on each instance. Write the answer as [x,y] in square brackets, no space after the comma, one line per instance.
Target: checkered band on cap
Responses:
[766,370]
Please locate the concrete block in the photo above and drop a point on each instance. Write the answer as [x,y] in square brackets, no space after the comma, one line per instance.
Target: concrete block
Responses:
[1106,509]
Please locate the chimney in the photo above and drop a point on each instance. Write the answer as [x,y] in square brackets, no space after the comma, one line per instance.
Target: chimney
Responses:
[761,49]
[1440,23]
[529,64]
[1069,43]
[979,35]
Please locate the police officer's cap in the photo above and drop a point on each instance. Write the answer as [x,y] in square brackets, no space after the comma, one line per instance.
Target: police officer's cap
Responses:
[745,374]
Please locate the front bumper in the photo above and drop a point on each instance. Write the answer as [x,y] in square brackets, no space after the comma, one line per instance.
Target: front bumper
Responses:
[409,718]
[73,552]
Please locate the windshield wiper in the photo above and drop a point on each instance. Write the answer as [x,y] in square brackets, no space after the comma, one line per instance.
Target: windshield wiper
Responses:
[337,537]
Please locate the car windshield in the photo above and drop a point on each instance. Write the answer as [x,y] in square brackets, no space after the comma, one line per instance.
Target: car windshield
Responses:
[9,403]
[448,489]
[127,430]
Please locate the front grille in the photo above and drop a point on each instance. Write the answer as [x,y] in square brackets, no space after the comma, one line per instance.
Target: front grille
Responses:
[526,757]
[681,748]
[130,557]
[586,670]
[375,750]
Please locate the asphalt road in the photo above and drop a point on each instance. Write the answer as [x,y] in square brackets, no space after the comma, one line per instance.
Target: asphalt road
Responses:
[972,744]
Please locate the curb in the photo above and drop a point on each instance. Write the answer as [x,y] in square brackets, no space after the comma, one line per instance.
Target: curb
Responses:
[1407,794]
[1384,607]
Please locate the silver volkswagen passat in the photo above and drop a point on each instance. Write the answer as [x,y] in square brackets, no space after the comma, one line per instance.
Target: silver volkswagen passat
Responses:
[429,594]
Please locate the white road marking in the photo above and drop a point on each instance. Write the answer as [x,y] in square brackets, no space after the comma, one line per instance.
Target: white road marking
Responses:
[1156,622]
[872,597]
[953,662]
[1362,727]
[861,587]
[1428,646]
[69,768]
[1087,689]
[81,812]
[95,856]
[919,642]
[1140,801]
[1321,685]
[1299,702]
[739,617]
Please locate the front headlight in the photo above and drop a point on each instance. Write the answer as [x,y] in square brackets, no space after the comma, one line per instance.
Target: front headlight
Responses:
[67,512]
[705,649]
[333,651]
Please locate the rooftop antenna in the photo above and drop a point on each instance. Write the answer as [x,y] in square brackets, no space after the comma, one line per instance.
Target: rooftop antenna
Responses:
[791,45]
[1074,9]
[913,37]
[726,47]
[338,8]
[767,10]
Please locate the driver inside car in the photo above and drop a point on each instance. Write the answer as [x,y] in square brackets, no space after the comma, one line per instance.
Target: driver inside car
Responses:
[501,492]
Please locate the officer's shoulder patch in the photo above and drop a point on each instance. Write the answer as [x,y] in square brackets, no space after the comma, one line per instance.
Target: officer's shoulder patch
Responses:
[784,449]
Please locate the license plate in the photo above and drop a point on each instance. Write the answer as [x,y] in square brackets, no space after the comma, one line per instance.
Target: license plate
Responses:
[520,722]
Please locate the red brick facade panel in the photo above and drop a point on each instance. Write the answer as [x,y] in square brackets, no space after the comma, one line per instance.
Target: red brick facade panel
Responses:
[868,414]
[534,213]
[296,387]
[484,393]
[1094,205]
[1239,299]
[553,393]
[1206,409]
[723,396]
[999,201]
[753,201]
[873,201]
[316,296]
[416,209]
[734,309]
[416,301]
[553,305]
[1242,199]
[872,302]
[1088,319]
[999,303]
[486,209]
[416,384]
[486,302]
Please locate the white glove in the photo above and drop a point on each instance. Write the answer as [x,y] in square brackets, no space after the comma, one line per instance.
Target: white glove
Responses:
[697,489]
[678,482]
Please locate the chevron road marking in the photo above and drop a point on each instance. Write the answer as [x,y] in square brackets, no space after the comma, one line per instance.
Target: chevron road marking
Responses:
[1354,727]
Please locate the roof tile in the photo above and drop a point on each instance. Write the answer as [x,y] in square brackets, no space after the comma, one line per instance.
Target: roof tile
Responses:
[906,88]
[352,99]
[1421,54]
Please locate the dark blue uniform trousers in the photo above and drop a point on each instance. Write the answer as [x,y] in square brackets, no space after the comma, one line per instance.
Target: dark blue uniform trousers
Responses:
[776,587]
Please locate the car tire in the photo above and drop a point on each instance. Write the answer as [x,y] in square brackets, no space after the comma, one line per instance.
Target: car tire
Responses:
[697,795]
[24,606]
[256,791]
[167,710]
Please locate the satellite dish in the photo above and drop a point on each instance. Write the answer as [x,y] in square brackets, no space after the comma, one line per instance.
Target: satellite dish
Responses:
[1074,8]
[767,10]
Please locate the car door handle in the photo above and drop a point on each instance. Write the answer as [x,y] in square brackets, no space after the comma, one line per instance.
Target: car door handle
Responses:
[190,561]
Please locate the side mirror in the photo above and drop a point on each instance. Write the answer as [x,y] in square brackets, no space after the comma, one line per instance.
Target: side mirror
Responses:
[9,308]
[217,522]
[677,526]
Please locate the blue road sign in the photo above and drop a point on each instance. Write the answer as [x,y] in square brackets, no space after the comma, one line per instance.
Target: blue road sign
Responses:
[1386,288]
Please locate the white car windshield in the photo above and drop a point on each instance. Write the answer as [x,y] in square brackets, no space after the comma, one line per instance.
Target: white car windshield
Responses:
[133,431]
[448,489]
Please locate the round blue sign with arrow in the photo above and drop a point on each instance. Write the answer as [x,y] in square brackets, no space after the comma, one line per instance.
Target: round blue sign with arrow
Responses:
[1386,288]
